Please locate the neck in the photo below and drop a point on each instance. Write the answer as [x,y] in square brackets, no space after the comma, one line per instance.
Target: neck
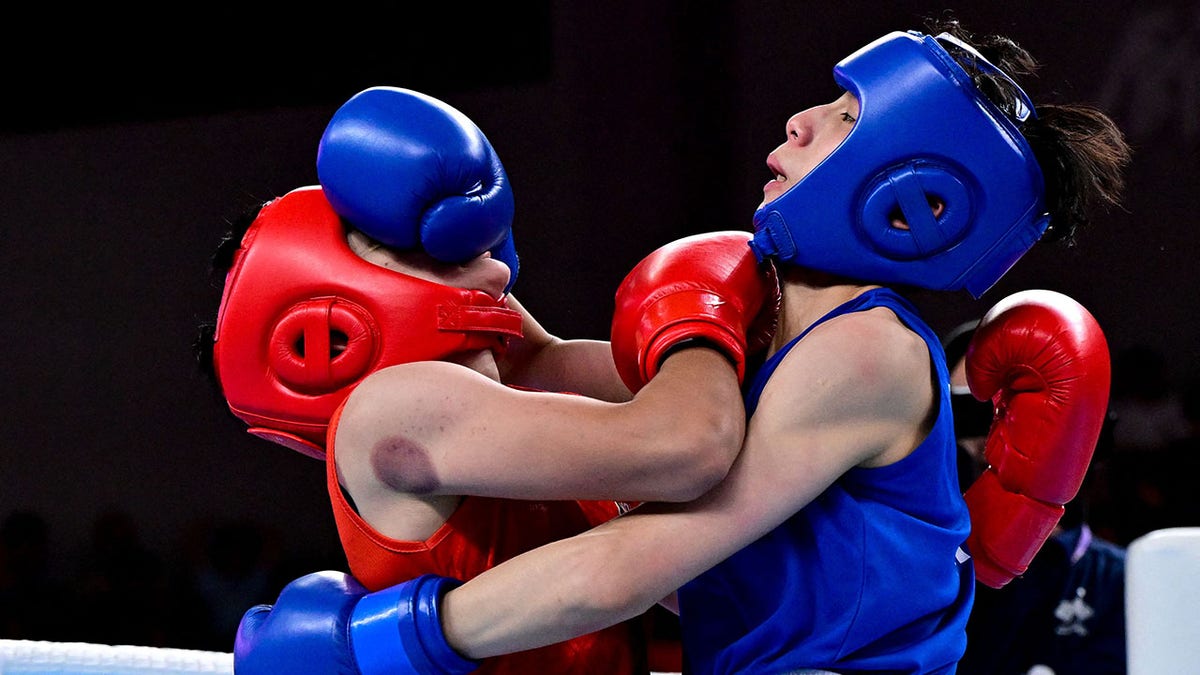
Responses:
[808,296]
[481,361]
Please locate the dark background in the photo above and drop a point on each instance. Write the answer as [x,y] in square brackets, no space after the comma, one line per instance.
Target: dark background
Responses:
[127,142]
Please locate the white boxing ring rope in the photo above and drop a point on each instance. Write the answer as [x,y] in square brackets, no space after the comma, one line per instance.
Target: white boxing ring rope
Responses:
[30,657]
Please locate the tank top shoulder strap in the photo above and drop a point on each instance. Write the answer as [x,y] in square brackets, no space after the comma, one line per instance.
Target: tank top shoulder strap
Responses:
[876,297]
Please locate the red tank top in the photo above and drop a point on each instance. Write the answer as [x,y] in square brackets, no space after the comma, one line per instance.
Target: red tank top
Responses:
[481,533]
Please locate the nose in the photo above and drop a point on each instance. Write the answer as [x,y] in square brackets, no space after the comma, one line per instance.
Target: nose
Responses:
[486,274]
[799,129]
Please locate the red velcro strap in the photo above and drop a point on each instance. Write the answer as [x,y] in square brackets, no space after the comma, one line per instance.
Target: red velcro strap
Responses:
[690,313]
[464,319]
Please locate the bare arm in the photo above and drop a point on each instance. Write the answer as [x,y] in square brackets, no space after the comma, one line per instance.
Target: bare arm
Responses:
[541,360]
[440,429]
[828,408]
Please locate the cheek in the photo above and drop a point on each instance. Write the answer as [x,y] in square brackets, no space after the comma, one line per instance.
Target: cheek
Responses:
[419,266]
[804,165]
[832,142]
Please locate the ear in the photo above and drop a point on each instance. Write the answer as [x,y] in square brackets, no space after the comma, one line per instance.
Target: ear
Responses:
[936,205]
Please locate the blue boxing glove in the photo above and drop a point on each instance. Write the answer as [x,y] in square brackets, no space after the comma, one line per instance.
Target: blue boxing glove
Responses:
[413,172]
[327,623]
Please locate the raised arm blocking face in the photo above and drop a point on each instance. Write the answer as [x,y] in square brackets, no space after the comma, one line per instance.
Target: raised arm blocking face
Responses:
[541,360]
[481,273]
[417,439]
[678,311]
[433,429]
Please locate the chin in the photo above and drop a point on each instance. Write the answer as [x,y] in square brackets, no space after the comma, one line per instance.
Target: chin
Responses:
[767,199]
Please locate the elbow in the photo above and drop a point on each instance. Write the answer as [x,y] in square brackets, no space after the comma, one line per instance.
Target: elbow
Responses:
[681,446]
[702,452]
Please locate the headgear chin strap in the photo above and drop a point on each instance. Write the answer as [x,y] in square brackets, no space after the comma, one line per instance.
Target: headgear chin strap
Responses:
[925,134]
[304,319]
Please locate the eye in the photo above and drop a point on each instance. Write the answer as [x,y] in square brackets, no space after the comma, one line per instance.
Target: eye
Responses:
[847,117]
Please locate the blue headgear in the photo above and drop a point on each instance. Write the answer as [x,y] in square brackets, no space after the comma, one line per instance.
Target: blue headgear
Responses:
[924,133]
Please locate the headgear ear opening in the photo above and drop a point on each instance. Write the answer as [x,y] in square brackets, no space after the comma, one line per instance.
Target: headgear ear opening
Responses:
[321,345]
[909,191]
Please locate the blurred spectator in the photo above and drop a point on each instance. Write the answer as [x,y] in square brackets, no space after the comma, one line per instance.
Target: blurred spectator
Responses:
[1144,401]
[1066,614]
[1144,470]
[122,587]
[1181,458]
[33,605]
[235,575]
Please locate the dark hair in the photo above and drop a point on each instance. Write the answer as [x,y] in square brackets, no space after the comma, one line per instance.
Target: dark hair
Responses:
[219,265]
[1081,151]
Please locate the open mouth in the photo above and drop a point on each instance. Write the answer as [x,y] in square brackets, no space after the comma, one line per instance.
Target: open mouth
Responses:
[777,170]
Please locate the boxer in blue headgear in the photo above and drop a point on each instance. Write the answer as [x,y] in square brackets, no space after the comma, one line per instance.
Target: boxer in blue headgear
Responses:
[837,542]
[925,134]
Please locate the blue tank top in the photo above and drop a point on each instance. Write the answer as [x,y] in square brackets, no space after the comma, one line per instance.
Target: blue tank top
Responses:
[871,576]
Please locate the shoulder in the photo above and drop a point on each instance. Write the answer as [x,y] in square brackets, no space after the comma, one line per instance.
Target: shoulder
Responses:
[872,351]
[393,398]
[415,381]
[863,377]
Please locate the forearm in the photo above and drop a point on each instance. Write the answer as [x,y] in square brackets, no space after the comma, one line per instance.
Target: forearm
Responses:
[533,601]
[697,397]
[557,592]
[540,360]
[577,366]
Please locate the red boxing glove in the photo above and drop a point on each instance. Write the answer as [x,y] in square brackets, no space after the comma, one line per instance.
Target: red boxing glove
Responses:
[706,286]
[1043,361]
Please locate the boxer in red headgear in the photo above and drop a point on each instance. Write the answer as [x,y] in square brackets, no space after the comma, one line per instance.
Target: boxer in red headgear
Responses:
[304,318]
[327,342]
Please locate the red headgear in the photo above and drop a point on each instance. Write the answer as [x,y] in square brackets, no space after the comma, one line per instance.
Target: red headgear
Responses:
[294,287]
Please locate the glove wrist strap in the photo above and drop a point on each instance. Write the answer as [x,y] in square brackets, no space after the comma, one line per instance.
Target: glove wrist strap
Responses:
[408,612]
